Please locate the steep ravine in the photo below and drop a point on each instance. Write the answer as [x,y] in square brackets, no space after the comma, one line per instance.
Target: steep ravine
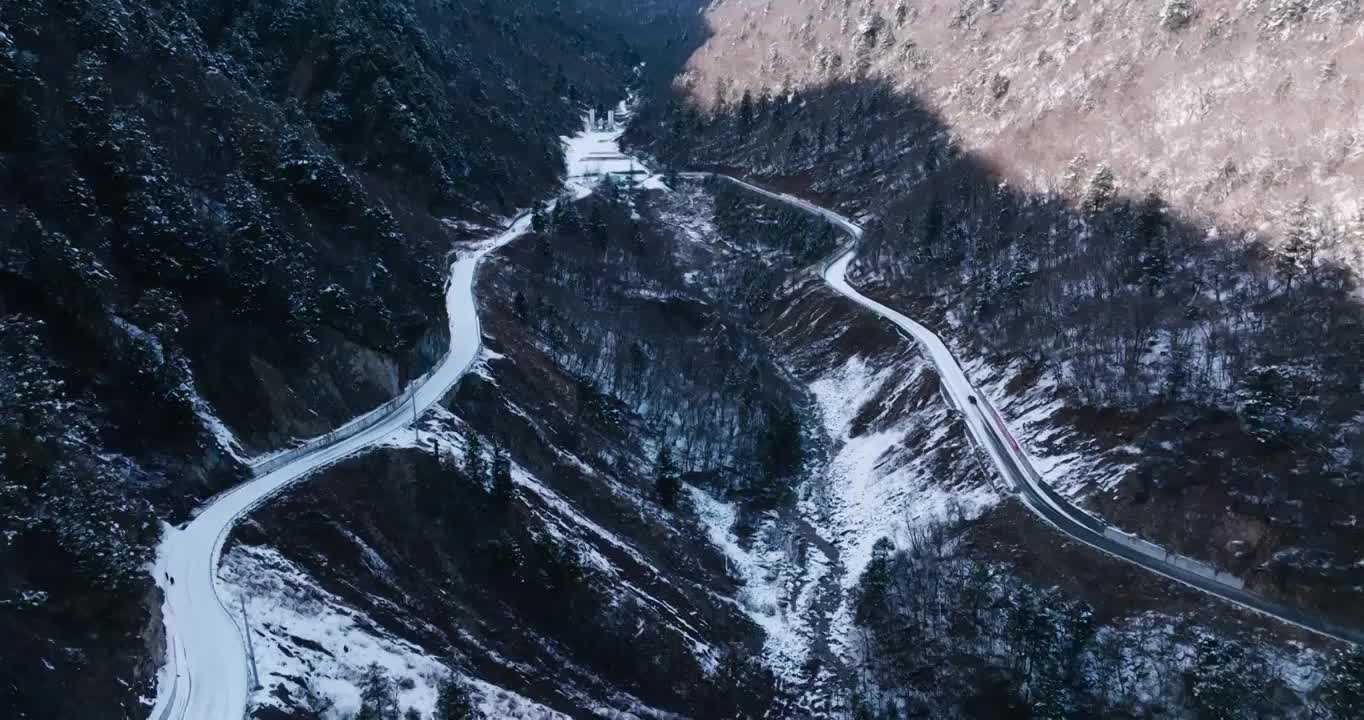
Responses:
[691,318]
[972,526]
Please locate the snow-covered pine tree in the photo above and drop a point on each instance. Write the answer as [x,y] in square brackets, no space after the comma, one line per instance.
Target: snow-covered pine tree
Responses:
[1101,191]
[504,490]
[378,699]
[454,702]
[746,111]
[474,466]
[566,218]
[874,585]
[667,483]
[1297,256]
[1148,252]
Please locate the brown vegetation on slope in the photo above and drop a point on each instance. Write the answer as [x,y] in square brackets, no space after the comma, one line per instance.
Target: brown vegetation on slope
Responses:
[1233,110]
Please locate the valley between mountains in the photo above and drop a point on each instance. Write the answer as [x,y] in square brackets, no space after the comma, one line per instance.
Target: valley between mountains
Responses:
[798,359]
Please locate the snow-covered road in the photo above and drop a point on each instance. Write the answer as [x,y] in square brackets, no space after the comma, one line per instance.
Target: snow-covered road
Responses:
[991,433]
[207,674]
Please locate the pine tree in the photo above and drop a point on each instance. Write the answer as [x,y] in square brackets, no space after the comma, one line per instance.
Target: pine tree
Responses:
[566,219]
[1266,403]
[987,286]
[667,483]
[537,222]
[932,232]
[504,489]
[1073,175]
[520,307]
[412,714]
[474,467]
[782,451]
[634,239]
[454,702]
[1297,255]
[746,111]
[1021,273]
[596,227]
[873,586]
[1177,375]
[1102,189]
[1149,252]
[378,700]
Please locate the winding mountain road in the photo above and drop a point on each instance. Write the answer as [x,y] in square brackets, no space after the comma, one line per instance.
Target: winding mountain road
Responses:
[207,676]
[207,673]
[989,432]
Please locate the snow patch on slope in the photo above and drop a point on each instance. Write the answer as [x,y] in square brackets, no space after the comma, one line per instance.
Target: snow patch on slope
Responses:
[227,440]
[875,491]
[776,594]
[1070,463]
[300,630]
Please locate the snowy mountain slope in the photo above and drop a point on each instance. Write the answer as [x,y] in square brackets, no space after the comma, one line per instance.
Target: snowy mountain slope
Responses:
[203,638]
[575,589]
[581,430]
[993,435]
[206,671]
[819,335]
[680,475]
[1160,340]
[304,633]
[235,211]
[1234,110]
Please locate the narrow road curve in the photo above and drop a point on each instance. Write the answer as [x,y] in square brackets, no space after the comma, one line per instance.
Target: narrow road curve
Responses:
[206,676]
[992,434]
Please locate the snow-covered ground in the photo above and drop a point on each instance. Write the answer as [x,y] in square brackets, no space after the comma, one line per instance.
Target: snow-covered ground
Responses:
[205,675]
[594,154]
[309,640]
[871,495]
[983,422]
[875,486]
[776,594]
[289,614]
[991,433]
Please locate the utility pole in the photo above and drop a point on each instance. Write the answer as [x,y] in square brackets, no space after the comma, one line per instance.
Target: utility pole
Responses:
[250,651]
